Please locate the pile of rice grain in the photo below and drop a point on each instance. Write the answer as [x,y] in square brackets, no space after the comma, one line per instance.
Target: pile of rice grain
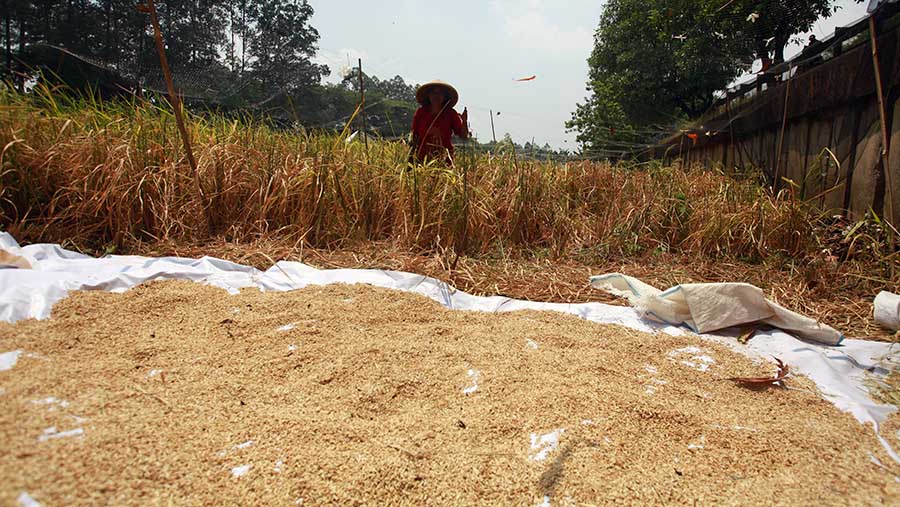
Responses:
[178,393]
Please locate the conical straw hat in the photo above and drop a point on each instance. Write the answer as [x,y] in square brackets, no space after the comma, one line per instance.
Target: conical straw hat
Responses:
[422,92]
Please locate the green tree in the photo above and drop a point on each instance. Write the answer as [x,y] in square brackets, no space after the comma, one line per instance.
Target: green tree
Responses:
[657,63]
[281,44]
[249,55]
[395,88]
[774,22]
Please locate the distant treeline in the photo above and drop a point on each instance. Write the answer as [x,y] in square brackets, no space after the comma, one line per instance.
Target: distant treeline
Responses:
[254,56]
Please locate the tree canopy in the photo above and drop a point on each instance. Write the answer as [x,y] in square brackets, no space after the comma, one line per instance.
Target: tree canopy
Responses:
[230,50]
[255,56]
[657,63]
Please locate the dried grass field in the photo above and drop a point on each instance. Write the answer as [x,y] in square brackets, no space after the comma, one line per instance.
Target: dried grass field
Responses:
[110,177]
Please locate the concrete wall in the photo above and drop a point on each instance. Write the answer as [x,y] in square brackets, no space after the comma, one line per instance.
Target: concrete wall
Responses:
[834,158]
[822,136]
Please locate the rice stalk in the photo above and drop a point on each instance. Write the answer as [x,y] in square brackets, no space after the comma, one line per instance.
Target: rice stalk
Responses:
[111,175]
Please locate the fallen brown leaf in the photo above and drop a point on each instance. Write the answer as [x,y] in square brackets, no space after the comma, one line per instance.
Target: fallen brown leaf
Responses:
[747,333]
[783,370]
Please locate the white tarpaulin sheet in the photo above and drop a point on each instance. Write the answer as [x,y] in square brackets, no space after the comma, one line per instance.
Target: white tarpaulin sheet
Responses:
[838,371]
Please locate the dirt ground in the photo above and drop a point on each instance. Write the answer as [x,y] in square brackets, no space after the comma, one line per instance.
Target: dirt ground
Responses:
[177,393]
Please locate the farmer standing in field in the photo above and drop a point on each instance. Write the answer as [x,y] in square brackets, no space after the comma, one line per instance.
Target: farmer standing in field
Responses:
[436,121]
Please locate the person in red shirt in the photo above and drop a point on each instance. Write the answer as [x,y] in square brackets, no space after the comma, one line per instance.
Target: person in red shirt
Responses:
[436,121]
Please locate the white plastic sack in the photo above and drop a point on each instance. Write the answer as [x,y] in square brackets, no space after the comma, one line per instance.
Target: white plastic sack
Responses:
[709,307]
[887,310]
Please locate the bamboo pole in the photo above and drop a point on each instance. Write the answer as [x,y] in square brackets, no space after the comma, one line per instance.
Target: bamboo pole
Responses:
[787,96]
[362,106]
[493,132]
[737,155]
[885,138]
[469,159]
[150,8]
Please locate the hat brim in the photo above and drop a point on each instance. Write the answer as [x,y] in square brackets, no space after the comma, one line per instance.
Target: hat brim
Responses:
[422,92]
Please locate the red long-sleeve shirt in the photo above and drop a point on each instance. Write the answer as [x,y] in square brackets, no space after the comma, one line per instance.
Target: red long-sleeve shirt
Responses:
[433,135]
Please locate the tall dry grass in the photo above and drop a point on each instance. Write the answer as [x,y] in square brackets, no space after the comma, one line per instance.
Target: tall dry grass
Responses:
[107,175]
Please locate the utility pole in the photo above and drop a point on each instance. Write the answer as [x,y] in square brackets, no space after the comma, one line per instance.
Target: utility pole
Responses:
[362,106]
[493,133]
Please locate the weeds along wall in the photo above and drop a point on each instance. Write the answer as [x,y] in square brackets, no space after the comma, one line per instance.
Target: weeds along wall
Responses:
[817,131]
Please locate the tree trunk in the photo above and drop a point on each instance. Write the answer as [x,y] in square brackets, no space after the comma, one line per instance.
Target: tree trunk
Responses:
[21,16]
[70,22]
[7,13]
[782,34]
[108,31]
[192,51]
[762,52]
[48,20]
[780,42]
[231,47]
[140,57]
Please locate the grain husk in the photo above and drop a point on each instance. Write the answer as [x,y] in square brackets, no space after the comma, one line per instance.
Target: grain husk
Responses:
[354,395]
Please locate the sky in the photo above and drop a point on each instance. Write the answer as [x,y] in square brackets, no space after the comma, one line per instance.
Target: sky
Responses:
[482,47]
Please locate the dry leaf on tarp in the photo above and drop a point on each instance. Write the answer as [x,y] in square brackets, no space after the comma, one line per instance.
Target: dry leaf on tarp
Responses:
[8,260]
[747,333]
[783,370]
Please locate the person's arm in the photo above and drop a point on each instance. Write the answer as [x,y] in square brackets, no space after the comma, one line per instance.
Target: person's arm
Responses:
[461,125]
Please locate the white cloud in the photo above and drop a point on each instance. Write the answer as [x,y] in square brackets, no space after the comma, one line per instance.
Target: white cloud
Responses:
[517,5]
[525,22]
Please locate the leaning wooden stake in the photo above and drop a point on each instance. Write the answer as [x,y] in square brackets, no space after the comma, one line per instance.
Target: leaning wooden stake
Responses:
[150,8]
[885,140]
